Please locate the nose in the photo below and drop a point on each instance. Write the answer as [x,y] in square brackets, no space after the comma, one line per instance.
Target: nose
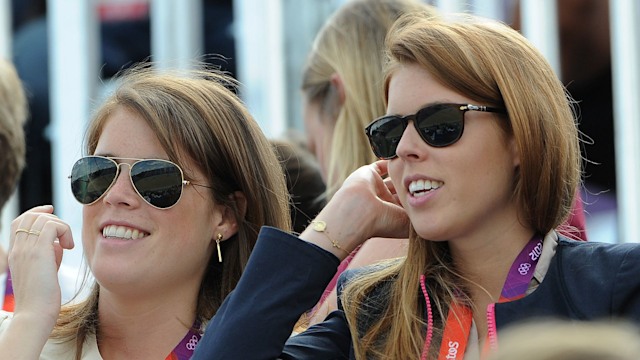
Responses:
[411,146]
[121,191]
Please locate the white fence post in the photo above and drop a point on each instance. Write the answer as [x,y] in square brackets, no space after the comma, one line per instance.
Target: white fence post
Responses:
[176,32]
[540,26]
[73,64]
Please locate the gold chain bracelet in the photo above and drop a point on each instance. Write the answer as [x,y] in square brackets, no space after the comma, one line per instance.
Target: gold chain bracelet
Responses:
[321,227]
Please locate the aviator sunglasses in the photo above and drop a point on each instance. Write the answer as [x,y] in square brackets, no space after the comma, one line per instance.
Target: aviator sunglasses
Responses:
[438,125]
[158,182]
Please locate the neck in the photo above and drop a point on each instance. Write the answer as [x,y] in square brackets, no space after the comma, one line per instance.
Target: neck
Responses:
[486,260]
[143,328]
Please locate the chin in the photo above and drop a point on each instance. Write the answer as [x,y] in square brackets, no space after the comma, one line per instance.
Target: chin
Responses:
[431,235]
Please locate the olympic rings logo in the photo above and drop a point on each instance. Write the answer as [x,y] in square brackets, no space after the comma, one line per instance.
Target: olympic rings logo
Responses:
[191,345]
[523,269]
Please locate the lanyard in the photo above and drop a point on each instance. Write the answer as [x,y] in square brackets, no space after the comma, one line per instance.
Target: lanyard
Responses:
[184,350]
[460,317]
[9,299]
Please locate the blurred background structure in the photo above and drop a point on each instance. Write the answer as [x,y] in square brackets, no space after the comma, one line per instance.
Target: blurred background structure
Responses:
[67,50]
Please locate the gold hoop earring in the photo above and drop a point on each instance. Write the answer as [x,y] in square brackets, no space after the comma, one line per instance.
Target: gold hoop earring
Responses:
[218,238]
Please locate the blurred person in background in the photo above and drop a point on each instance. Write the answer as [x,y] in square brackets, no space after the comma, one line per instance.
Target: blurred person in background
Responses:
[342,93]
[304,181]
[554,339]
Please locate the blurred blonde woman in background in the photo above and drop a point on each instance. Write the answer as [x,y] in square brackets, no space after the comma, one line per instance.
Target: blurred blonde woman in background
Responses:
[342,91]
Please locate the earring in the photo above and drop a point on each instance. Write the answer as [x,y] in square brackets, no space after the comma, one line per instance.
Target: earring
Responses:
[218,238]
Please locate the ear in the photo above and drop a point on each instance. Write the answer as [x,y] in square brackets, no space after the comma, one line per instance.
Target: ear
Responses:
[231,216]
[336,82]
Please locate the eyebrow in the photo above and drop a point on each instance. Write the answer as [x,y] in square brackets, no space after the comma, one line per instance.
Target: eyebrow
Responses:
[110,155]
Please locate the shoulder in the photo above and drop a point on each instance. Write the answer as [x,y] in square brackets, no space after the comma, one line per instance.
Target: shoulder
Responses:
[575,253]
[585,280]
[600,262]
[605,274]
[59,350]
[56,350]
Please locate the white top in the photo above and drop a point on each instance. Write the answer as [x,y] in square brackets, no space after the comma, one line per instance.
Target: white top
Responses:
[55,350]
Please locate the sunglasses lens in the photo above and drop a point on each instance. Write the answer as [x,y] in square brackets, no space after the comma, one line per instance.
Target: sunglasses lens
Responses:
[158,182]
[384,136]
[91,177]
[440,125]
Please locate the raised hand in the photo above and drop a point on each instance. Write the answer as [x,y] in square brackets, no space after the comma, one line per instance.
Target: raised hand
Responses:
[38,239]
[365,206]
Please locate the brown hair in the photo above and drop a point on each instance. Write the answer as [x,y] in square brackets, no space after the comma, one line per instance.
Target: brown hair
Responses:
[195,115]
[491,64]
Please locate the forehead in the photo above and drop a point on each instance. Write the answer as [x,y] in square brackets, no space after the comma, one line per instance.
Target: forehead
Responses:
[125,133]
[412,87]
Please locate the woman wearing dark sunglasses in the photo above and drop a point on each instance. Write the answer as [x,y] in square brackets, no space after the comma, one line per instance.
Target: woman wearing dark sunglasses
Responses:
[483,165]
[176,184]
[342,85]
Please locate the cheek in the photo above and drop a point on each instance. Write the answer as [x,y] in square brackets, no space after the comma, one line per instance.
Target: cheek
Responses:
[195,217]
[395,173]
[89,230]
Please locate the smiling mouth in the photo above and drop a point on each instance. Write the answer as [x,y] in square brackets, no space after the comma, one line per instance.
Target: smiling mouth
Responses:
[122,232]
[422,187]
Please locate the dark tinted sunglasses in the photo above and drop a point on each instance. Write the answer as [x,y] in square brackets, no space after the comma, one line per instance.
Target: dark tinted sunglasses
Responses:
[158,182]
[438,125]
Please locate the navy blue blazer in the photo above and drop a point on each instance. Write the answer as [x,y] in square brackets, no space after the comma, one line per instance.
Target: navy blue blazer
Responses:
[286,276]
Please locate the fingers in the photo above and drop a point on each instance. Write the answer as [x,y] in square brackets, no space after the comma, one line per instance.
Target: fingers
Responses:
[389,184]
[381,167]
[39,224]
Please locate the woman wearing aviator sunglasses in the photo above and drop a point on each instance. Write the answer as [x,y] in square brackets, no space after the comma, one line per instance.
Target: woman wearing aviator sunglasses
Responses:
[479,206]
[178,181]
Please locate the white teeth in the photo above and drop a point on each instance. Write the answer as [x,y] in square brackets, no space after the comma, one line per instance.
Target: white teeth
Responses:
[120,230]
[114,231]
[422,187]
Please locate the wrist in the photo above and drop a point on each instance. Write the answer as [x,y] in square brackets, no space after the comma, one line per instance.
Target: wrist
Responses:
[321,227]
[334,233]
